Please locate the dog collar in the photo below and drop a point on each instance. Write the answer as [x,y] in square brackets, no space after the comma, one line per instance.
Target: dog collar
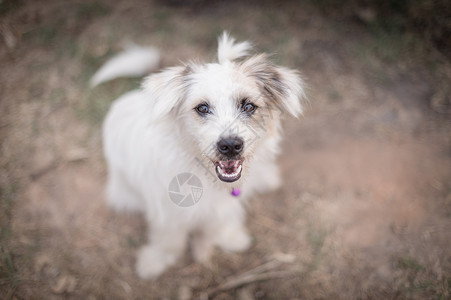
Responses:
[236,192]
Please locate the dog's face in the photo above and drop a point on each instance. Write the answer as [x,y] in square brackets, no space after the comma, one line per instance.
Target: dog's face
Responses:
[226,110]
[221,112]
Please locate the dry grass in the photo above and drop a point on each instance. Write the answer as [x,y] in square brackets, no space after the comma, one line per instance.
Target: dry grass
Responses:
[366,206]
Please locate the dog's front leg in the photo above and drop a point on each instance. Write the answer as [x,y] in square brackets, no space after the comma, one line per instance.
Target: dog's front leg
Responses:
[230,236]
[167,243]
[227,228]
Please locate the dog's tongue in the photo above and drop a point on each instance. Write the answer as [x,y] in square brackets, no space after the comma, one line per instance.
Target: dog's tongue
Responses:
[229,170]
[229,166]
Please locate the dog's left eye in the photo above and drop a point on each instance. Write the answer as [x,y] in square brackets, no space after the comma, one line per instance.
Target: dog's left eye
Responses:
[248,107]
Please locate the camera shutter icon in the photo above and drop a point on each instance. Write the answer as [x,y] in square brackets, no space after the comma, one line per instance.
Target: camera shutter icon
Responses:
[185,189]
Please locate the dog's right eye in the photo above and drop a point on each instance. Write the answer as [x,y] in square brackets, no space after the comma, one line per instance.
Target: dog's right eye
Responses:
[203,109]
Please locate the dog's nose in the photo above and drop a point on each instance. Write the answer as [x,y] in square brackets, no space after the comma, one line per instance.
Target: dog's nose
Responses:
[230,146]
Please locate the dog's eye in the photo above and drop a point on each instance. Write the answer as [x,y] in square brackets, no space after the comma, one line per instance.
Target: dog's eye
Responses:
[203,109]
[248,107]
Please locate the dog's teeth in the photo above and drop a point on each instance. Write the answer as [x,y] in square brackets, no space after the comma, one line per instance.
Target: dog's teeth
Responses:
[220,170]
[221,164]
[236,163]
[224,174]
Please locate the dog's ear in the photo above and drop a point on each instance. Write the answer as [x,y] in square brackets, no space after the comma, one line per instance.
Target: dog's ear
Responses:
[166,89]
[283,86]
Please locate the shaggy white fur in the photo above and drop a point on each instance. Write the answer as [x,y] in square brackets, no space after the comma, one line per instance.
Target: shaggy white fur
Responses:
[218,121]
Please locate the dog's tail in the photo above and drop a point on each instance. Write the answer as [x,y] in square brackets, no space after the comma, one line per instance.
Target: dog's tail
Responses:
[135,61]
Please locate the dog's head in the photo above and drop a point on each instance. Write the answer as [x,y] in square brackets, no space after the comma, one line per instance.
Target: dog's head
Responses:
[226,110]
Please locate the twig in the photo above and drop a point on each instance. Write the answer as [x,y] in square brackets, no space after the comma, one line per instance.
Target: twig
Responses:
[73,157]
[270,265]
[259,273]
[249,278]
[41,172]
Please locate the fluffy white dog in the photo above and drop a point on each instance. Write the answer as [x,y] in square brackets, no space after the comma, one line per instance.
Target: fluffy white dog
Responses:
[212,129]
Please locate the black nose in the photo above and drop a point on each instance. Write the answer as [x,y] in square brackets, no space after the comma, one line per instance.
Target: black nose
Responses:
[230,146]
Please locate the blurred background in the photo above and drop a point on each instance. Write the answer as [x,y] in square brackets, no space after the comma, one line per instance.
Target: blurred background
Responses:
[365,210]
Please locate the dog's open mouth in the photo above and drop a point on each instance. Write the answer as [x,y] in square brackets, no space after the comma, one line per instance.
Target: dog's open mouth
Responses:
[229,170]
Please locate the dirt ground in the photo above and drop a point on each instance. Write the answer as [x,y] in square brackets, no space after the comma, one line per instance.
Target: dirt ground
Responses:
[365,210]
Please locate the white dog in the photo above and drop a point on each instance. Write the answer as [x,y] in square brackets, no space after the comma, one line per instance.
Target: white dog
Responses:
[214,128]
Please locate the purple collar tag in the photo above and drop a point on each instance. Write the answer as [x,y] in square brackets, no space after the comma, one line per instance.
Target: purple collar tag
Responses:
[236,192]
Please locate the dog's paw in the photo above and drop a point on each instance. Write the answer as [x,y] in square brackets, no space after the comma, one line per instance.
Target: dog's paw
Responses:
[202,249]
[234,240]
[152,262]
